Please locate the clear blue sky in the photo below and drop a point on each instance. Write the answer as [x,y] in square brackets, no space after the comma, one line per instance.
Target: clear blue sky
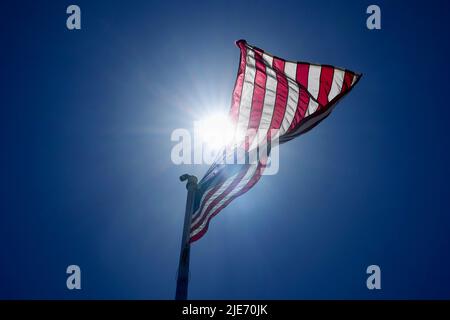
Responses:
[87,177]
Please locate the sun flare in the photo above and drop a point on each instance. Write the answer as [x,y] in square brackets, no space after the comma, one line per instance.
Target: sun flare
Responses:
[216,131]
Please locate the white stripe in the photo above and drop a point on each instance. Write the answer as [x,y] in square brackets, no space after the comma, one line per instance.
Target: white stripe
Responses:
[250,173]
[314,80]
[268,59]
[247,93]
[312,107]
[195,215]
[355,77]
[313,88]
[336,86]
[213,197]
[290,69]
[269,101]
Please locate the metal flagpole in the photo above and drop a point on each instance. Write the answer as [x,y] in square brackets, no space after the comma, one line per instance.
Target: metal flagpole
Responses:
[183,266]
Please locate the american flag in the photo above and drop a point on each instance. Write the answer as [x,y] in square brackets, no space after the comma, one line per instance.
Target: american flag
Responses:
[270,95]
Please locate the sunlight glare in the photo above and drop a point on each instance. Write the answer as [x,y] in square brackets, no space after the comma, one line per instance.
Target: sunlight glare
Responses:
[216,131]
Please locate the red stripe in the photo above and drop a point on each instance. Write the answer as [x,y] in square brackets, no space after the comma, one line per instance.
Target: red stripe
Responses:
[302,74]
[220,197]
[348,79]
[303,99]
[219,182]
[281,96]
[326,79]
[259,91]
[247,187]
[209,194]
[237,92]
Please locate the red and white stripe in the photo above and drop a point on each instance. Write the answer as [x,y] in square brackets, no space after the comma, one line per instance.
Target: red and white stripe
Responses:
[229,190]
[271,93]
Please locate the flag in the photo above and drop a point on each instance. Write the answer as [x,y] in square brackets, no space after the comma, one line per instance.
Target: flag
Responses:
[275,99]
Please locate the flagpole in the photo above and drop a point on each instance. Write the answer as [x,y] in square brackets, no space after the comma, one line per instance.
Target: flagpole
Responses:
[183,265]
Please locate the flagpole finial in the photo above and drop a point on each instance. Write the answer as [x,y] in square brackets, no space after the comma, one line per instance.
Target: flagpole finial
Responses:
[191,180]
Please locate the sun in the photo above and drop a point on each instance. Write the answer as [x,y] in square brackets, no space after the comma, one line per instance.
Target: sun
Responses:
[216,131]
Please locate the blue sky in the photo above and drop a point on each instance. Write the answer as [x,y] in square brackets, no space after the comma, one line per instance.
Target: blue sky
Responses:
[87,177]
